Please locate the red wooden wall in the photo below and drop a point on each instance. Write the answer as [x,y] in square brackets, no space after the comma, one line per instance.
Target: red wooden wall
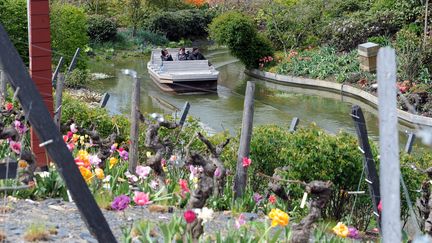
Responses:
[40,62]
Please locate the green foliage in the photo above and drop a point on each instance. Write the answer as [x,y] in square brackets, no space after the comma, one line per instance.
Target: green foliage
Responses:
[49,185]
[146,38]
[380,40]
[322,63]
[238,32]
[13,17]
[68,31]
[78,78]
[409,50]
[85,117]
[189,23]
[101,28]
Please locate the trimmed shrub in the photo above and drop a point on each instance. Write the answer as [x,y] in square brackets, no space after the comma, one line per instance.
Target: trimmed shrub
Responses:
[188,23]
[68,31]
[13,17]
[239,33]
[77,78]
[101,28]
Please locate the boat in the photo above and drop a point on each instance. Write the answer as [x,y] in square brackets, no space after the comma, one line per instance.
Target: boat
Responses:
[197,76]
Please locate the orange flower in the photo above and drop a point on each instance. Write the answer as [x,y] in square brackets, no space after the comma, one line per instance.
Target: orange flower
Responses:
[86,173]
[197,3]
[278,217]
[99,173]
[22,164]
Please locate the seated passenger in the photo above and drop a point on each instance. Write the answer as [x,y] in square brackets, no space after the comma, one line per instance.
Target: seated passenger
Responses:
[166,56]
[182,55]
[196,55]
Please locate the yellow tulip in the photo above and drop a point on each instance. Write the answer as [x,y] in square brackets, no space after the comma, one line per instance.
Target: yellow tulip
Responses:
[341,230]
[22,164]
[99,173]
[278,217]
[112,161]
[86,173]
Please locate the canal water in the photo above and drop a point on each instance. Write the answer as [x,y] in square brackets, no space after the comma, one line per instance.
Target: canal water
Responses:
[222,110]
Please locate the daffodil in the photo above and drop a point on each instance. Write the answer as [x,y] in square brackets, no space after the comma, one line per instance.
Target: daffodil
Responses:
[341,230]
[278,217]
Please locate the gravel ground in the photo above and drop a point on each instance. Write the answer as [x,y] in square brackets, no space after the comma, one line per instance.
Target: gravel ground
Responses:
[65,218]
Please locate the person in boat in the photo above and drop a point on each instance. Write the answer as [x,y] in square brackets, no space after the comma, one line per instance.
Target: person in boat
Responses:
[166,56]
[182,55]
[196,55]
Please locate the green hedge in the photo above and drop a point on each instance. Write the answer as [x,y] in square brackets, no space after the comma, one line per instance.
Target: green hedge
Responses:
[175,25]
[239,33]
[101,28]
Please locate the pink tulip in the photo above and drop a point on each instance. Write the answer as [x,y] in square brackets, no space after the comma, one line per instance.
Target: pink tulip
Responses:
[241,220]
[142,199]
[15,146]
[73,128]
[246,162]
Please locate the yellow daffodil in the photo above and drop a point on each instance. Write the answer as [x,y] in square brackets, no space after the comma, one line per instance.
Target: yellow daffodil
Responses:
[99,173]
[112,161]
[278,217]
[22,164]
[75,137]
[341,230]
[148,154]
[86,173]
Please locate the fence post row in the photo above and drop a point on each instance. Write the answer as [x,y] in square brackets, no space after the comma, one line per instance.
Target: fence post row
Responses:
[368,161]
[295,121]
[134,131]
[47,132]
[184,113]
[245,139]
[56,72]
[104,100]
[58,100]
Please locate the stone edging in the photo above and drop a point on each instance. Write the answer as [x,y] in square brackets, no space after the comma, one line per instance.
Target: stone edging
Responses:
[343,89]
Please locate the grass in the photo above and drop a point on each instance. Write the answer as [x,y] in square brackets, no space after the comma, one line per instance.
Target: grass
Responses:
[103,199]
[36,232]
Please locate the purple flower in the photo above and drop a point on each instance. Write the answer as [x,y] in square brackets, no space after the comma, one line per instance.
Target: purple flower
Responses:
[120,203]
[218,172]
[353,233]
[154,184]
[143,171]
[241,220]
[257,197]
[124,155]
[20,127]
[73,128]
[94,159]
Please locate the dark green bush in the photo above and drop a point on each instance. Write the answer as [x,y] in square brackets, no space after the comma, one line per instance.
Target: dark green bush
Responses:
[68,31]
[188,23]
[239,33]
[13,17]
[409,50]
[101,28]
[78,78]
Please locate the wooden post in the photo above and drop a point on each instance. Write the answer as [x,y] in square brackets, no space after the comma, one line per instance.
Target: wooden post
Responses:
[58,101]
[135,108]
[389,146]
[43,125]
[245,138]
[3,85]
[368,161]
[184,113]
[56,72]
[74,61]
[368,56]
[40,63]
[410,143]
[104,100]
[294,123]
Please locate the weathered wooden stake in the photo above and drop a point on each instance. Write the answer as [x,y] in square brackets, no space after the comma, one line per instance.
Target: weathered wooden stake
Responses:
[3,85]
[135,106]
[57,70]
[368,161]
[389,146]
[184,113]
[245,138]
[58,101]
[104,100]
[74,61]
[42,123]
[294,123]
[410,143]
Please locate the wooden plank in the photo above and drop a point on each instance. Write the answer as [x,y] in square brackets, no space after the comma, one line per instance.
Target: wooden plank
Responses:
[389,146]
[10,172]
[410,143]
[40,63]
[134,131]
[40,36]
[3,85]
[54,76]
[40,21]
[184,113]
[245,138]
[42,123]
[369,163]
[41,49]
[38,7]
[104,100]
[295,121]
[74,61]
[58,101]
